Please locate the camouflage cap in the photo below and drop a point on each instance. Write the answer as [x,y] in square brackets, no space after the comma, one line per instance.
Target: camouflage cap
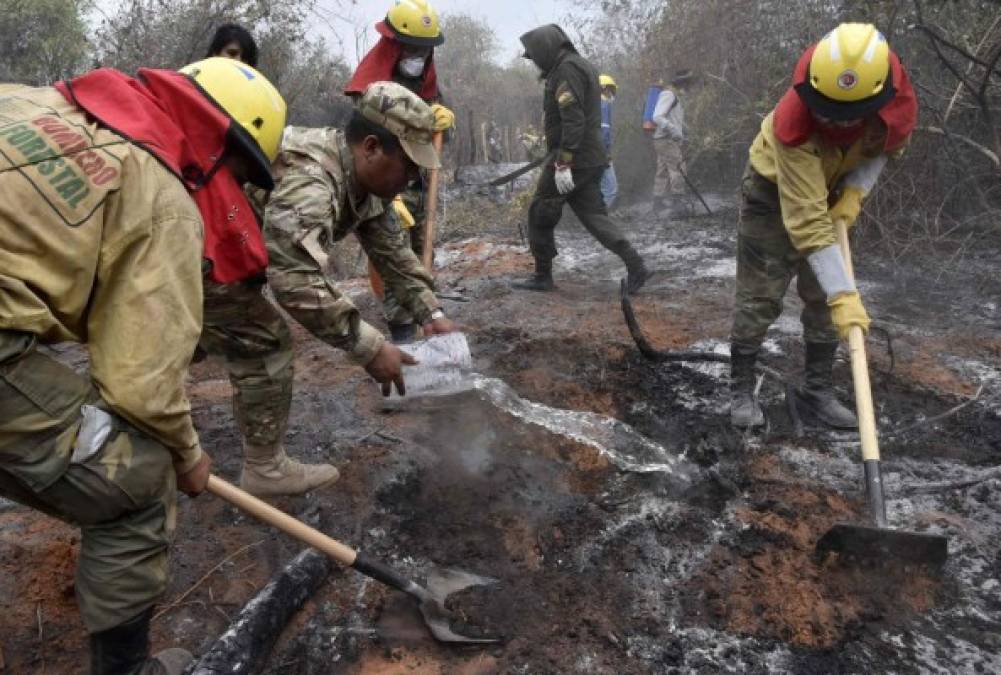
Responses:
[406,116]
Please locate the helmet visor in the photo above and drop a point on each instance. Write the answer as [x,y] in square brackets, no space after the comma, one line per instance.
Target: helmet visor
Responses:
[258,166]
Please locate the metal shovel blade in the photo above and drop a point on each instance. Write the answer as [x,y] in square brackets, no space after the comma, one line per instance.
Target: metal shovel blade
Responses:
[440,584]
[863,541]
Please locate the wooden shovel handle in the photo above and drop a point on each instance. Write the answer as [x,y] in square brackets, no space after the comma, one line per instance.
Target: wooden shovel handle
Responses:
[860,366]
[431,207]
[284,522]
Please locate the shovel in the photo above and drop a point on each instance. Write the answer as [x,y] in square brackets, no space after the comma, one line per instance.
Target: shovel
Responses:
[431,598]
[431,208]
[877,541]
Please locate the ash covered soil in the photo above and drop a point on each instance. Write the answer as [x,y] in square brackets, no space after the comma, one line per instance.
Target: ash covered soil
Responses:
[630,529]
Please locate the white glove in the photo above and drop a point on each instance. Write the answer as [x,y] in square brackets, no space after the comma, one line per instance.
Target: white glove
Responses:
[564,179]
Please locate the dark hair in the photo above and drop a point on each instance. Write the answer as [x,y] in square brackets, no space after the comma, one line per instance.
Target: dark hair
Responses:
[682,78]
[232,32]
[360,126]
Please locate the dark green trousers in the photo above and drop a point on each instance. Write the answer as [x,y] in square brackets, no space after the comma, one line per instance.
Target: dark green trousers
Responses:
[585,199]
[766,264]
[122,496]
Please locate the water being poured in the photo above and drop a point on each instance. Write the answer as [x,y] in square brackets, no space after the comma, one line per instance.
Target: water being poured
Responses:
[445,368]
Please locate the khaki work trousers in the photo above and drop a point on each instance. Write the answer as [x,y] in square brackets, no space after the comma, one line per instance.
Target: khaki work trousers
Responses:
[766,264]
[122,497]
[668,179]
[247,330]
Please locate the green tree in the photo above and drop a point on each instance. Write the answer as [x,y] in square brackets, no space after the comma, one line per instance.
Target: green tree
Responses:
[478,89]
[172,33]
[42,40]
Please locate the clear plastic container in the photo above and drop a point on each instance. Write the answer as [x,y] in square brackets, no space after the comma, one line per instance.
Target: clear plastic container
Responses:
[444,366]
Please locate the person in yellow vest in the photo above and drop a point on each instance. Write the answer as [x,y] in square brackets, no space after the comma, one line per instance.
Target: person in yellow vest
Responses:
[819,153]
[115,194]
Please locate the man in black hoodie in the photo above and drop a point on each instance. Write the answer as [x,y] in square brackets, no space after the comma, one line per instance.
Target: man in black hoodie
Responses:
[572,109]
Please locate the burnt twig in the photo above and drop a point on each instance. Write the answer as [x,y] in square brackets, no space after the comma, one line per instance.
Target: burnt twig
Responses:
[937,418]
[659,356]
[388,437]
[930,488]
[792,405]
[176,603]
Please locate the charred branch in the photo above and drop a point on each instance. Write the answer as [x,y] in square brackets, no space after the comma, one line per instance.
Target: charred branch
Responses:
[249,639]
[651,353]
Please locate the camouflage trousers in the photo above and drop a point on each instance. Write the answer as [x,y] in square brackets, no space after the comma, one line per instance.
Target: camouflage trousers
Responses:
[122,497]
[587,203]
[766,264]
[668,179]
[413,198]
[245,328]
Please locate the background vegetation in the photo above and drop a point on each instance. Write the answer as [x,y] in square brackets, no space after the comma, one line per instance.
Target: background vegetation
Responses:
[946,192]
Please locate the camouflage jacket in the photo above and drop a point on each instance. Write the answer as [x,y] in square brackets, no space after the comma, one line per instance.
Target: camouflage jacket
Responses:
[314,204]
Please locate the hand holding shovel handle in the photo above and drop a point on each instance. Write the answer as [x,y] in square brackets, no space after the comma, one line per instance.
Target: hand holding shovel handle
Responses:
[876,541]
[863,398]
[432,603]
[431,207]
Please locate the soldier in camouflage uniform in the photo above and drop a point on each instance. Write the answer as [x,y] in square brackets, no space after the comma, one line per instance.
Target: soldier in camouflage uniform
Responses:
[404,54]
[572,107]
[329,184]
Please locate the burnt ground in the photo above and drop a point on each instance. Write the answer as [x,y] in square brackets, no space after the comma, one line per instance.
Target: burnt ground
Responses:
[663,542]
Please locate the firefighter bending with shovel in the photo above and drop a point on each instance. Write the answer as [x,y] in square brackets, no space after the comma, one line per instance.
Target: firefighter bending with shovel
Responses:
[818,154]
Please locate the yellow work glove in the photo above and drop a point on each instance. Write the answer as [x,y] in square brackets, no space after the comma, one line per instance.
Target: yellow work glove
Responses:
[443,117]
[847,311]
[406,218]
[848,207]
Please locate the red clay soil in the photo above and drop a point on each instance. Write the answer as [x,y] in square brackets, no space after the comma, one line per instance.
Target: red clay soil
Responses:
[37,563]
[768,584]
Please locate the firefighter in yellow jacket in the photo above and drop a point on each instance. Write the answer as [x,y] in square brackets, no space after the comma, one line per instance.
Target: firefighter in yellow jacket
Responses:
[818,154]
[101,243]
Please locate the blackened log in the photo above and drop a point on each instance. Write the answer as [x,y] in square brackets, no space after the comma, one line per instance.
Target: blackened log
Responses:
[245,646]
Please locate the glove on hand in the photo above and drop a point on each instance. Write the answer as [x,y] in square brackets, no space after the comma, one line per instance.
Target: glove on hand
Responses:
[564,179]
[849,206]
[403,213]
[847,311]
[443,117]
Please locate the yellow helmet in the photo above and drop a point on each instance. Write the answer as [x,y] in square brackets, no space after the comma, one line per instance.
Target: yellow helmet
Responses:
[412,22]
[607,81]
[849,75]
[252,102]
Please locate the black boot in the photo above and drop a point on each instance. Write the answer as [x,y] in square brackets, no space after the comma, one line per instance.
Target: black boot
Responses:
[124,650]
[542,280]
[818,395]
[636,270]
[402,333]
[744,409]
